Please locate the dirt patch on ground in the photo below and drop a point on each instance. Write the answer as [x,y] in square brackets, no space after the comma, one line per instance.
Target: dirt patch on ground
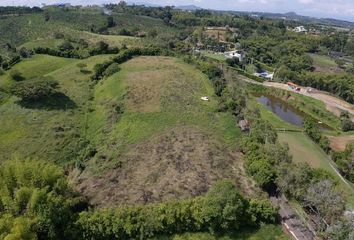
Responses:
[339,144]
[178,164]
[145,91]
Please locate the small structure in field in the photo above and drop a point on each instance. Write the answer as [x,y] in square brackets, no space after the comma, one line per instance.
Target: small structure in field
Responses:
[235,54]
[244,125]
[205,98]
[294,87]
[300,29]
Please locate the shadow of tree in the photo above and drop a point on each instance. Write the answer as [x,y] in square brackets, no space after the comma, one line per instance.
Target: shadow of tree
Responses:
[58,101]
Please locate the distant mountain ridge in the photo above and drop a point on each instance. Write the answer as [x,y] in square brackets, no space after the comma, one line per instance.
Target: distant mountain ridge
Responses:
[189,7]
[289,15]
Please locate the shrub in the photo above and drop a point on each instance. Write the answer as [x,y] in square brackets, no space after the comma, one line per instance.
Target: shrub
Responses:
[221,209]
[16,75]
[35,89]
[347,125]
[112,69]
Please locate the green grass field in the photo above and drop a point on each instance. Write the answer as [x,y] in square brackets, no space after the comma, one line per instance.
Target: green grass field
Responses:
[50,134]
[219,57]
[153,103]
[38,65]
[323,61]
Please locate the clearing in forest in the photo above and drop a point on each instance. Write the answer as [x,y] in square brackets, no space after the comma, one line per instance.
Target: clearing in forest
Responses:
[156,139]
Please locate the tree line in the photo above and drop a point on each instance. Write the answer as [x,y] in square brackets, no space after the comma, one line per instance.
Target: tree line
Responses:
[36,202]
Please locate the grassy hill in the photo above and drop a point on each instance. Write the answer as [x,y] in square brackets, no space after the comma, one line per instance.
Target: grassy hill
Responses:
[154,138]
[144,132]
[54,132]
[33,28]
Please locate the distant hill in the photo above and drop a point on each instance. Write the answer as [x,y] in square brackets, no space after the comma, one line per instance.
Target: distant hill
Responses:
[296,17]
[146,4]
[189,8]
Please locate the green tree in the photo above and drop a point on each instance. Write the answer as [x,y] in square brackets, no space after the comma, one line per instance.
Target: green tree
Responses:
[224,208]
[36,201]
[312,129]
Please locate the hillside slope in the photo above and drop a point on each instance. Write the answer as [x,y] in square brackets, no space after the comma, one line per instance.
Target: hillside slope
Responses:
[48,132]
[155,139]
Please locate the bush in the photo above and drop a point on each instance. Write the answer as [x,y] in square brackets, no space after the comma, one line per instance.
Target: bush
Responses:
[347,125]
[35,89]
[112,69]
[222,209]
[26,53]
[16,75]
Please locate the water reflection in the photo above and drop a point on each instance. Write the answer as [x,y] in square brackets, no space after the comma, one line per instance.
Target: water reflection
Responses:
[283,110]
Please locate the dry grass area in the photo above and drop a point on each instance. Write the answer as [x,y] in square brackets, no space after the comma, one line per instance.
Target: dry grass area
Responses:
[145,91]
[180,163]
[340,143]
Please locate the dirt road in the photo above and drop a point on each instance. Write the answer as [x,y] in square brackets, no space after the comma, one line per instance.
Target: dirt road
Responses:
[333,104]
[291,221]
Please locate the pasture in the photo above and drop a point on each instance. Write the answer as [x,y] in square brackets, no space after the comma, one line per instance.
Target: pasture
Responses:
[148,120]
[48,132]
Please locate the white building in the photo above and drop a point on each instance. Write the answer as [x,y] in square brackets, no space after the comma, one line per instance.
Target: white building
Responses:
[235,54]
[300,29]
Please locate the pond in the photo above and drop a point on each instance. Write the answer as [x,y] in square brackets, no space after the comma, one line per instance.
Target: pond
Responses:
[285,111]
[282,109]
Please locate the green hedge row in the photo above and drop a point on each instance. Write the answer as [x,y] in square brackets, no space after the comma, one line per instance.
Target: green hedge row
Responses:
[221,209]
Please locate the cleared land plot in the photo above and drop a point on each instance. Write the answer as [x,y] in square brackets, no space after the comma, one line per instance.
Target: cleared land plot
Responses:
[340,143]
[216,34]
[324,64]
[166,143]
